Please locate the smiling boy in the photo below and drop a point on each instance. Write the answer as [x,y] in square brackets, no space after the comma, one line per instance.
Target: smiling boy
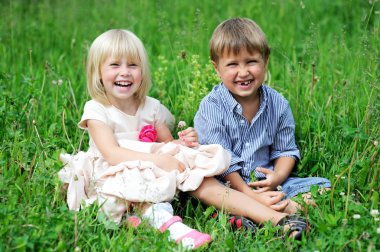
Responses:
[251,120]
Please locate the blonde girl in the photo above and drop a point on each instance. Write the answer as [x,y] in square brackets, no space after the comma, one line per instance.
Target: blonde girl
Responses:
[133,164]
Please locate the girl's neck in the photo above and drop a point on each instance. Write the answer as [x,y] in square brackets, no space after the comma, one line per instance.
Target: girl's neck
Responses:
[128,106]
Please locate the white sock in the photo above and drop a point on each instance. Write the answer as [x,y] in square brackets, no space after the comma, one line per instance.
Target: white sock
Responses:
[160,213]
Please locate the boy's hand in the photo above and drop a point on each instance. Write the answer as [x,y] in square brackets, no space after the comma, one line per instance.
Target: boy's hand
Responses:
[188,137]
[270,183]
[272,199]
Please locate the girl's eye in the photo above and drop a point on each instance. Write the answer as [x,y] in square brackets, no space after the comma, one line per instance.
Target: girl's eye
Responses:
[114,64]
[252,62]
[132,65]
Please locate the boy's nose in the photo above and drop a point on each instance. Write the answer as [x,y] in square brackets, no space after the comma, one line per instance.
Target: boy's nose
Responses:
[243,71]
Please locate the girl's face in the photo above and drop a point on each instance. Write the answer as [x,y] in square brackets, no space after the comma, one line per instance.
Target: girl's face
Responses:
[121,80]
[242,74]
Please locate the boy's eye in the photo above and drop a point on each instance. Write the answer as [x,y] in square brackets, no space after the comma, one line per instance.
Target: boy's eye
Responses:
[231,64]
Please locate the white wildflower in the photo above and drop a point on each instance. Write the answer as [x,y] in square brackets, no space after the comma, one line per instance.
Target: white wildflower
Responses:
[356,216]
[374,212]
[365,235]
[375,143]
[376,219]
[341,193]
[181,124]
[378,230]
[59,82]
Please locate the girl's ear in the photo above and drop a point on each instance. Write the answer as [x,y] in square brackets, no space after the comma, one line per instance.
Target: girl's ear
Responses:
[267,63]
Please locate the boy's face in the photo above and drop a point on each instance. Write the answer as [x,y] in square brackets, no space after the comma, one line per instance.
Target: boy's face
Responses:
[242,74]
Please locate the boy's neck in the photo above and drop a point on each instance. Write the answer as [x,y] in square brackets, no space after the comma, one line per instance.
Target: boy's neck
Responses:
[250,106]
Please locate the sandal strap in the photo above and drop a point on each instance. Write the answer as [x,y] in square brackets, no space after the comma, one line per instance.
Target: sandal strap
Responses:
[170,222]
[238,222]
[295,222]
[194,239]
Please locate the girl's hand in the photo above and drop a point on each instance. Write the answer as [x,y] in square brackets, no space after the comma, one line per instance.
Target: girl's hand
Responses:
[269,184]
[169,163]
[188,137]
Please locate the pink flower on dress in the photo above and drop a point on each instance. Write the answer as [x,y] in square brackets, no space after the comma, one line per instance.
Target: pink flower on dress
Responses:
[148,134]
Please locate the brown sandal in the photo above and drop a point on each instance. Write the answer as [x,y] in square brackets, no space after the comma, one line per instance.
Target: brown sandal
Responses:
[296,224]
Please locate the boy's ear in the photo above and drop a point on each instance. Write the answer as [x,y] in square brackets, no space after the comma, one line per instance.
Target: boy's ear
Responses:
[216,67]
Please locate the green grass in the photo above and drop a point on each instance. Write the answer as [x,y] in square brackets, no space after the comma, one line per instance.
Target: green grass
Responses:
[325,59]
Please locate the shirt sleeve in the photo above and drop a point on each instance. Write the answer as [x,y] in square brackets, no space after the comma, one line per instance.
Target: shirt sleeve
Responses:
[163,116]
[284,144]
[208,123]
[166,117]
[94,111]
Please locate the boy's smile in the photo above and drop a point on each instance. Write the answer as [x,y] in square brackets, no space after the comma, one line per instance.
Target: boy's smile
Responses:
[242,74]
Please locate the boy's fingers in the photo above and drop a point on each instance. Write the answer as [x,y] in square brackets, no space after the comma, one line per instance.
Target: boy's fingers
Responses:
[280,206]
[262,183]
[262,189]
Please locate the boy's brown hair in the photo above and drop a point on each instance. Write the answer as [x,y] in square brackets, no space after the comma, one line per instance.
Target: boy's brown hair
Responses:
[235,34]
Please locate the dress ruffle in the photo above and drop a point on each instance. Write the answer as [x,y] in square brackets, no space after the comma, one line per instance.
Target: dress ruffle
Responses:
[91,179]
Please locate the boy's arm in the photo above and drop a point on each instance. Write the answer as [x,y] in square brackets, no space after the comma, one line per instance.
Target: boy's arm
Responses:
[283,166]
[284,153]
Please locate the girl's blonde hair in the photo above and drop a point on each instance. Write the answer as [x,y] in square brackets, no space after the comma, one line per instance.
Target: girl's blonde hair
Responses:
[116,44]
[236,34]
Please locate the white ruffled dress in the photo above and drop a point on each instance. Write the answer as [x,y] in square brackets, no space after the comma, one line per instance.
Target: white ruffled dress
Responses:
[91,179]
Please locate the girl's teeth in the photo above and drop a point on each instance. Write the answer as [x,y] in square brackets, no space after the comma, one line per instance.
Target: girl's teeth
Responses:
[122,83]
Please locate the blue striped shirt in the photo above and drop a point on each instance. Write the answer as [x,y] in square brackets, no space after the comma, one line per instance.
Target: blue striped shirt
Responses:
[270,135]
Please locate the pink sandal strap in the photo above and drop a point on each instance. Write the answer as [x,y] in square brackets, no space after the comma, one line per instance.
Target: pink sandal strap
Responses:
[170,222]
[133,221]
[194,239]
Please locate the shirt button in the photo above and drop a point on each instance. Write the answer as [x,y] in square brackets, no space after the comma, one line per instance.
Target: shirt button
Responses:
[241,121]
[238,106]
[246,144]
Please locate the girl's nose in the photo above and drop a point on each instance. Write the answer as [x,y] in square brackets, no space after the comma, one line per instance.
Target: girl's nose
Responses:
[125,71]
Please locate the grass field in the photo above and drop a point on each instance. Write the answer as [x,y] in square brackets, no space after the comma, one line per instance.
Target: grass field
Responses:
[325,59]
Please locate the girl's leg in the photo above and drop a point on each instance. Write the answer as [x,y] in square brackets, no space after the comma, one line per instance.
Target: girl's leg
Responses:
[211,192]
[160,216]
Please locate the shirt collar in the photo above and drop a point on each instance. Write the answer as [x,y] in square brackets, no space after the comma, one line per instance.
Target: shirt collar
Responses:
[227,97]
[232,104]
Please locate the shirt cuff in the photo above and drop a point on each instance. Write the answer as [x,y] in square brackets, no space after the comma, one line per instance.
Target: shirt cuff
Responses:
[293,154]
